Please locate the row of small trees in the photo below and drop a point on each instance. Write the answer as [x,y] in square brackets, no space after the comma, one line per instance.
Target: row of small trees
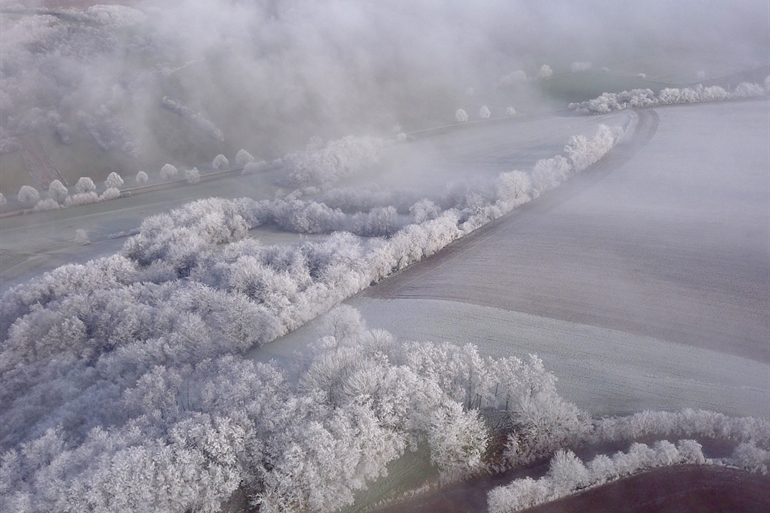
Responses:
[85,189]
[610,102]
[59,196]
[484,113]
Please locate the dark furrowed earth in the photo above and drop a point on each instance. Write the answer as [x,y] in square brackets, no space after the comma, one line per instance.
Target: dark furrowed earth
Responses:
[681,489]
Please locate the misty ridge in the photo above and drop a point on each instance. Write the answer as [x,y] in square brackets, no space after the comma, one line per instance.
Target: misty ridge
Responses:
[185,81]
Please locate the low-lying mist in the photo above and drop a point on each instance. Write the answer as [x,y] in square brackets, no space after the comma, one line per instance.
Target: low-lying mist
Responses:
[121,89]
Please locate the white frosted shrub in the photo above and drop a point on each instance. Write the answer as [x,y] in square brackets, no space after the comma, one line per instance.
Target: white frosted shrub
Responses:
[243,157]
[549,173]
[3,201]
[47,204]
[141,177]
[461,116]
[192,175]
[567,472]
[220,163]
[57,191]
[484,112]
[113,181]
[344,323]
[424,210]
[109,194]
[254,167]
[752,458]
[329,163]
[81,198]
[510,111]
[81,237]
[690,451]
[28,196]
[601,468]
[520,494]
[85,184]
[168,171]
[513,186]
[545,72]
[457,440]
[666,453]
[748,90]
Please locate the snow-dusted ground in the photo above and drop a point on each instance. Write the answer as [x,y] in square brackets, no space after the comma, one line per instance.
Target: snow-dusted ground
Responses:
[648,289]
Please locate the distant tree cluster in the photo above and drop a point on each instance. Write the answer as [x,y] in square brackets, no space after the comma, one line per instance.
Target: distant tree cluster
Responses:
[610,102]
[336,160]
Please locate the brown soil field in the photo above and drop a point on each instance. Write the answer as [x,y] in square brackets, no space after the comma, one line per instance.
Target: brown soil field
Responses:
[688,489]
[680,489]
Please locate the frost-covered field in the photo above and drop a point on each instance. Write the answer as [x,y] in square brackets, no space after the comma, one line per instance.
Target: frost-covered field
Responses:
[649,289]
[33,244]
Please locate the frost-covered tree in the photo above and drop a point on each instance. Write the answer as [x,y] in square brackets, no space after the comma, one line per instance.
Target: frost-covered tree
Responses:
[484,112]
[461,116]
[84,185]
[28,196]
[168,171]
[57,191]
[109,194]
[47,204]
[567,472]
[220,163]
[243,157]
[81,237]
[141,177]
[254,167]
[192,175]
[424,210]
[3,201]
[545,72]
[113,181]
[510,111]
[81,198]
[457,440]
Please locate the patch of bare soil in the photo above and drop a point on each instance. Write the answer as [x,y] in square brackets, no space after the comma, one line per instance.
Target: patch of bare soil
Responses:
[687,489]
[680,489]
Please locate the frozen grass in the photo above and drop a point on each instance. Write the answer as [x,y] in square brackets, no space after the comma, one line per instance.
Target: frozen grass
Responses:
[606,372]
